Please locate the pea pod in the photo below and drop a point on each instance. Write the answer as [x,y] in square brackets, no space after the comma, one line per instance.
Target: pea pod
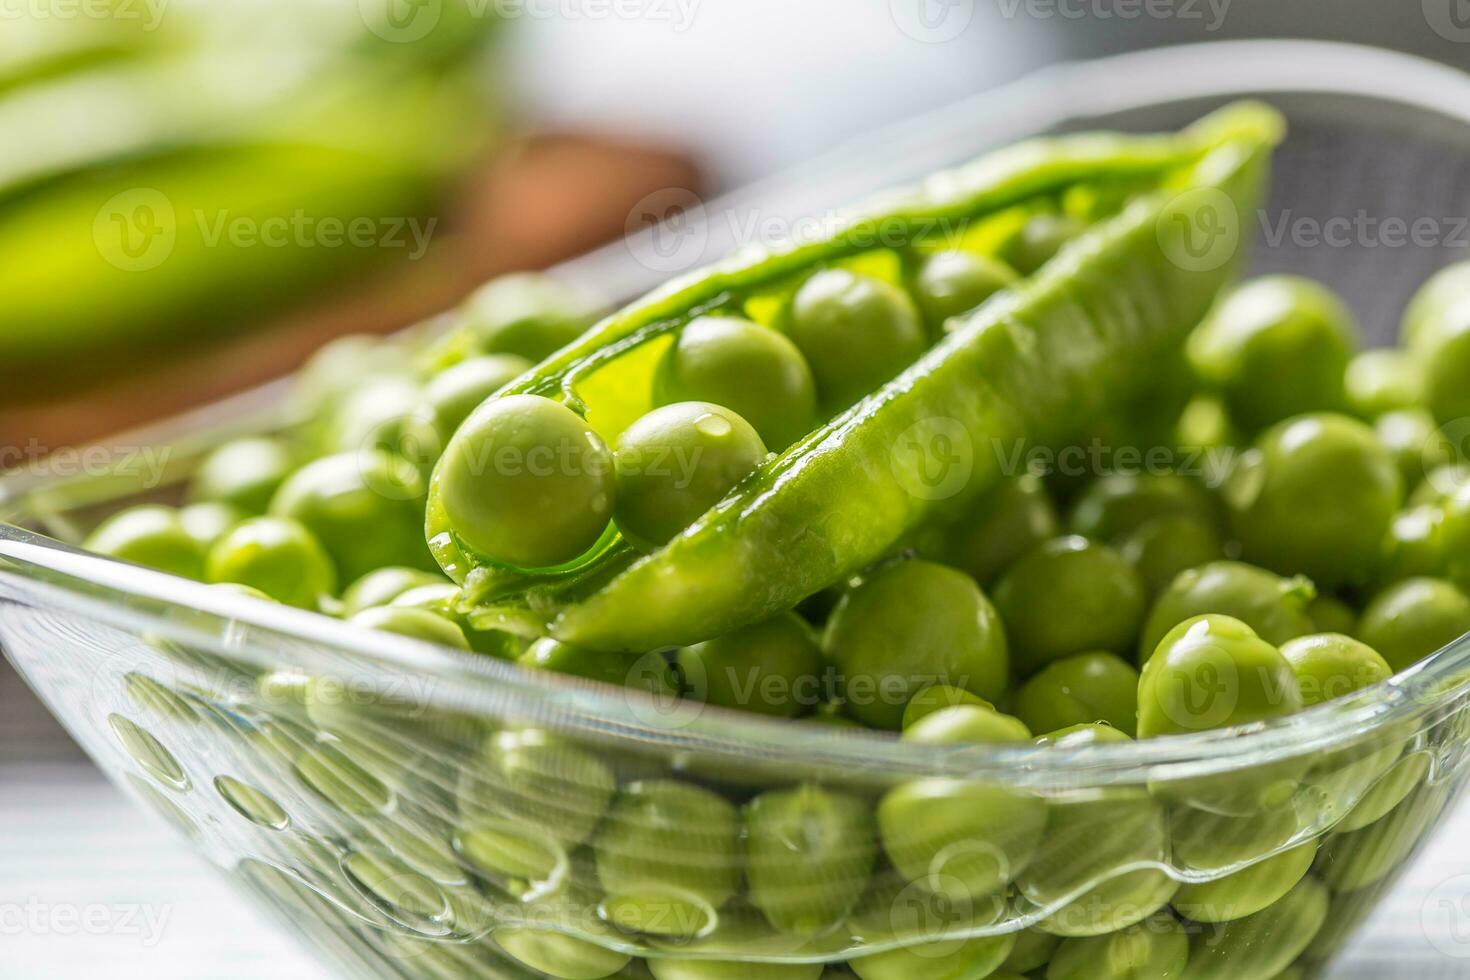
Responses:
[1038,360]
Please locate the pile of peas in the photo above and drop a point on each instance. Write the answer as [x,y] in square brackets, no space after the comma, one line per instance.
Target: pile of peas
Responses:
[1323,546]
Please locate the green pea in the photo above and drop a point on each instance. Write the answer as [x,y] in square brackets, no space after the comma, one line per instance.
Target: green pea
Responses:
[1414,545]
[1412,619]
[444,599]
[953,283]
[207,522]
[1089,840]
[1247,891]
[910,625]
[1275,607]
[280,557]
[419,624]
[1009,520]
[1381,381]
[648,673]
[1342,782]
[856,332]
[1089,687]
[1330,614]
[561,956]
[962,839]
[1415,442]
[1215,842]
[1066,597]
[966,723]
[1259,946]
[1213,672]
[1360,858]
[1081,736]
[382,585]
[676,969]
[1455,537]
[1120,503]
[1442,483]
[525,481]
[1039,241]
[1156,949]
[1166,546]
[808,855]
[667,858]
[752,370]
[454,393]
[243,473]
[1392,788]
[377,413]
[772,668]
[1032,951]
[526,314]
[366,508]
[150,535]
[1443,354]
[937,697]
[1330,666]
[952,960]
[677,462]
[1276,347]
[1315,495]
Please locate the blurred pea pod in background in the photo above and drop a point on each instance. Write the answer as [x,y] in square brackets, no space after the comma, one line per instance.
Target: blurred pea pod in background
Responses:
[175,169]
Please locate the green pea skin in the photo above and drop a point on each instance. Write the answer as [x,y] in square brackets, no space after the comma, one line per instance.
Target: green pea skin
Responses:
[1315,495]
[1381,381]
[1391,789]
[526,482]
[1442,351]
[1156,949]
[1275,607]
[1274,348]
[366,508]
[1089,687]
[675,463]
[1247,891]
[1412,619]
[1415,442]
[1166,546]
[1066,597]
[418,624]
[1255,682]
[1455,537]
[1119,503]
[207,522]
[1259,946]
[962,839]
[243,473]
[772,668]
[454,393]
[1032,951]
[856,332]
[1438,294]
[1008,521]
[953,283]
[382,585]
[1330,666]
[809,852]
[280,557]
[667,857]
[527,314]
[754,371]
[910,625]
[937,697]
[152,536]
[1414,545]
[1039,241]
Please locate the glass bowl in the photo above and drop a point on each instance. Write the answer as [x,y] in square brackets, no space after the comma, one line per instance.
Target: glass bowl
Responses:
[417,812]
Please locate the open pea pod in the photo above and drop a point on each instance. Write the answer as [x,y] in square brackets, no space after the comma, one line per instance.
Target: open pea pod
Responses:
[1038,362]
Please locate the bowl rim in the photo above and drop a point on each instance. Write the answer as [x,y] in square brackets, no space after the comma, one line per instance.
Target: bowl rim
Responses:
[74,579]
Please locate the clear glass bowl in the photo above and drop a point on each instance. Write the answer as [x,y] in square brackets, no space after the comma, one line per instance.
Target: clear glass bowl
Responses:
[417,812]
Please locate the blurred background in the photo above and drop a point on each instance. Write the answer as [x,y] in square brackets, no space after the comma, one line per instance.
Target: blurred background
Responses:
[196,194]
